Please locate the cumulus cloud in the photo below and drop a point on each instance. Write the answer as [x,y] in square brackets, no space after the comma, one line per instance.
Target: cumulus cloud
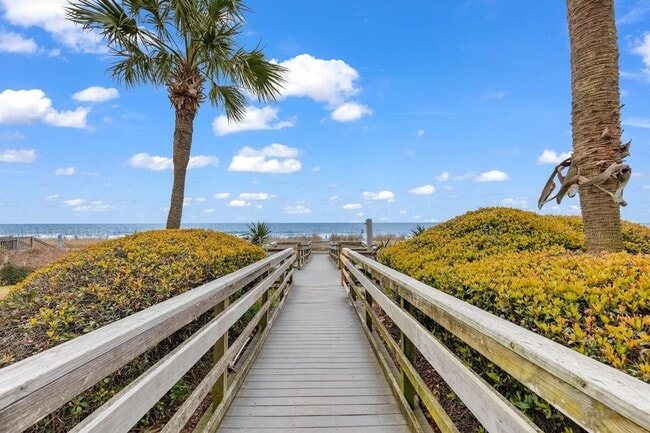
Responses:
[52,197]
[519,202]
[96,94]
[29,106]
[254,119]
[447,176]
[69,171]
[350,111]
[80,205]
[329,81]
[255,196]
[11,42]
[493,176]
[332,82]
[383,195]
[297,210]
[352,206]
[221,195]
[273,159]
[159,163]
[49,15]
[423,190]
[239,203]
[643,49]
[24,156]
[552,157]
[639,122]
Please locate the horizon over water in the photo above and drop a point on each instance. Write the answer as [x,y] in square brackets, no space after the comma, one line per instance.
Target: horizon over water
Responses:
[283,230]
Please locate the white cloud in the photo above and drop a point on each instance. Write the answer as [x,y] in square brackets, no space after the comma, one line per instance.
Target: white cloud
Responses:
[254,119]
[238,203]
[22,156]
[639,122]
[423,190]
[518,202]
[446,176]
[199,199]
[552,157]
[69,171]
[221,195]
[493,176]
[159,163]
[255,196]
[200,161]
[352,206]
[52,197]
[79,205]
[49,15]
[643,50]
[266,160]
[208,211]
[155,163]
[12,136]
[96,94]
[383,195]
[420,133]
[28,106]
[11,42]
[75,202]
[350,111]
[329,81]
[297,210]
[315,169]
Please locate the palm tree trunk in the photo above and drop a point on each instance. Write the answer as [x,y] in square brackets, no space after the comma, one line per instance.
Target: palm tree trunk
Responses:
[183,131]
[596,115]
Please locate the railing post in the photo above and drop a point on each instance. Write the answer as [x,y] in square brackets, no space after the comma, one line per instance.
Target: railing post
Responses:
[407,348]
[264,320]
[220,348]
[368,315]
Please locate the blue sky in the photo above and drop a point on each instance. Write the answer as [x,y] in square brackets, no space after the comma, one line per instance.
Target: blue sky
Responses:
[411,111]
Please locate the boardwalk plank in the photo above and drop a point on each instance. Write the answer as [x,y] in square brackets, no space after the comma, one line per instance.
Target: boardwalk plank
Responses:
[316,372]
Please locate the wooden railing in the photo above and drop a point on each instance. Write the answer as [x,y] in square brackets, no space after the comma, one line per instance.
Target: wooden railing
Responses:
[16,243]
[303,251]
[36,386]
[337,246]
[597,397]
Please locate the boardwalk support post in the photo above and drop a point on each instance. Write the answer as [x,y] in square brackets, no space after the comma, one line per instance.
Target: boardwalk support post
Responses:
[220,348]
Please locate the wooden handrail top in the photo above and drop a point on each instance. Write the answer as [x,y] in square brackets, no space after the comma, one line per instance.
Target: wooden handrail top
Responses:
[37,373]
[614,389]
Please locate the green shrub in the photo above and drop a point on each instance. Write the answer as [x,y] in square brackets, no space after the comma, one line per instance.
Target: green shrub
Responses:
[87,289]
[11,274]
[532,270]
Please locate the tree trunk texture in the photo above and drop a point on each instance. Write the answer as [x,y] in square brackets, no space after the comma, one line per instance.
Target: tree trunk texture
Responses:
[183,130]
[596,124]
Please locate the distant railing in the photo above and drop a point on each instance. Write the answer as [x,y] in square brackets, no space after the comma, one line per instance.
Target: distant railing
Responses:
[18,243]
[337,246]
[597,397]
[36,386]
[303,251]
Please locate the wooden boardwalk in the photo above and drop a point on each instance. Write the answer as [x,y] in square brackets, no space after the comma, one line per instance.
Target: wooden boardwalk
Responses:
[316,372]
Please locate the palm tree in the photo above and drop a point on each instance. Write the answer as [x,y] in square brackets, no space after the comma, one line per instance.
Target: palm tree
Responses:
[259,233]
[186,45]
[596,168]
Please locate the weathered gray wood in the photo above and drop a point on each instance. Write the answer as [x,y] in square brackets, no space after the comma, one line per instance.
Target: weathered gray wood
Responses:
[596,396]
[494,412]
[34,387]
[357,429]
[124,410]
[316,370]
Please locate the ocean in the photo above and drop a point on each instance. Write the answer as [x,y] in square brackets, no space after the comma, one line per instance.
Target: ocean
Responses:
[284,230]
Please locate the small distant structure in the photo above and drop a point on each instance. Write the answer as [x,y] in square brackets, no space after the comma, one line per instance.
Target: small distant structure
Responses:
[19,243]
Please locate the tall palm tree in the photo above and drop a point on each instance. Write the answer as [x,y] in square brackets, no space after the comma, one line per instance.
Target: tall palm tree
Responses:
[186,45]
[596,118]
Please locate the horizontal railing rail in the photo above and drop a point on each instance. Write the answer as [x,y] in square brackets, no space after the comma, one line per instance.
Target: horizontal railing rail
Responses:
[303,250]
[597,397]
[34,387]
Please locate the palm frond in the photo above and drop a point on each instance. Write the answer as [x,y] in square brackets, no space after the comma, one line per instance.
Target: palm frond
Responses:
[231,98]
[257,75]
